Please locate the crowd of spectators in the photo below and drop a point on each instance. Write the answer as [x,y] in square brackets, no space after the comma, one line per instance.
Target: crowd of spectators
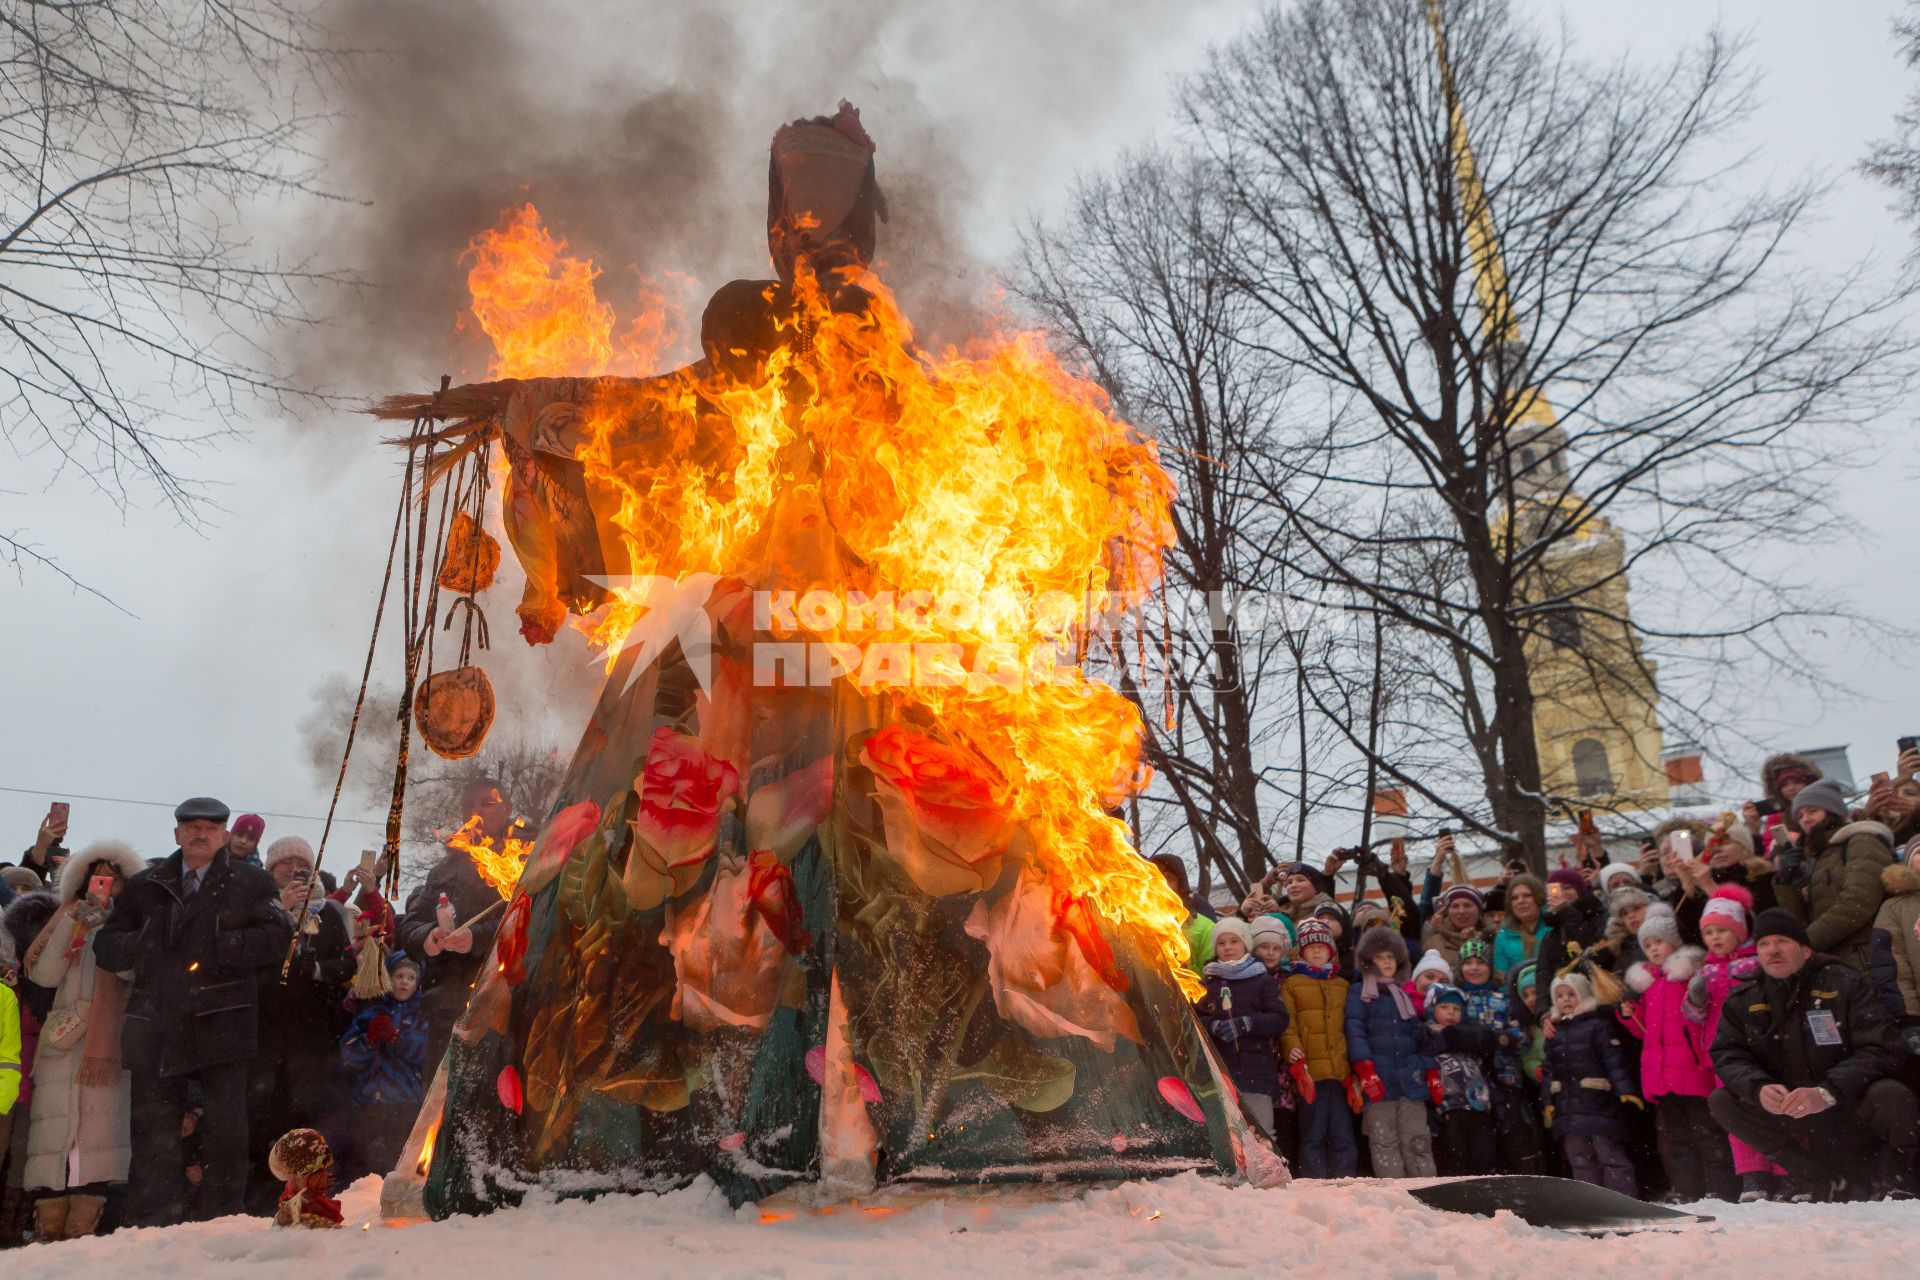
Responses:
[1734,1014]
[164,1020]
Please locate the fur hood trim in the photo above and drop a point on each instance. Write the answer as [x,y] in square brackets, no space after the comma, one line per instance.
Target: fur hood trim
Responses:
[1581,988]
[73,875]
[1771,770]
[1865,827]
[1373,942]
[1684,963]
[27,915]
[1641,977]
[1900,879]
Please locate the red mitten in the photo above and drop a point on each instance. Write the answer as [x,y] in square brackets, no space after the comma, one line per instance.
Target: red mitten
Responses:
[380,1031]
[1355,1102]
[1370,1082]
[1434,1088]
[1302,1082]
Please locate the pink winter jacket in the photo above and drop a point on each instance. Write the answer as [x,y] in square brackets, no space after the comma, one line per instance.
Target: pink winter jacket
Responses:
[1707,992]
[1673,1058]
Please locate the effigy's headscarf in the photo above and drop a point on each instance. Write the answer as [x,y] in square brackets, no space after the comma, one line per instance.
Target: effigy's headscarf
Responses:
[823,200]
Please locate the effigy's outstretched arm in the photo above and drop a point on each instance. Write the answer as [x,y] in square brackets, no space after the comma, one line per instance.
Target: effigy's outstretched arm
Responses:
[566,548]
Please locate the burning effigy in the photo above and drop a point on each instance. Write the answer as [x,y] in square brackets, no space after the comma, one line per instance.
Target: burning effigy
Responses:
[836,893]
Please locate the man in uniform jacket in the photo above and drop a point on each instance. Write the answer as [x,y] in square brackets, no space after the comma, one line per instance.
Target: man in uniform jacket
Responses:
[1807,1057]
[195,930]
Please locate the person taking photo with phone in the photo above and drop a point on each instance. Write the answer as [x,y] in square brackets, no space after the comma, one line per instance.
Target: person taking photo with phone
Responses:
[78,1138]
[45,856]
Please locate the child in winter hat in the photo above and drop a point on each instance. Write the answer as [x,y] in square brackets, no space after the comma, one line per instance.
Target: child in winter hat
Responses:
[1433,967]
[1727,909]
[1676,1071]
[1242,1013]
[1589,1083]
[1462,1049]
[1489,1005]
[1390,1069]
[1725,926]
[1315,1044]
[1233,927]
[1660,923]
[384,1056]
[1271,941]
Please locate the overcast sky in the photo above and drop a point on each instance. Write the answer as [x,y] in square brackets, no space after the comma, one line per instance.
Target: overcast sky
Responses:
[198,687]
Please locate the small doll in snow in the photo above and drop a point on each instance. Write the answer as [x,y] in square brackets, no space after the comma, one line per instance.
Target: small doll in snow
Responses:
[302,1160]
[1463,1048]
[1676,1073]
[1242,1013]
[384,1054]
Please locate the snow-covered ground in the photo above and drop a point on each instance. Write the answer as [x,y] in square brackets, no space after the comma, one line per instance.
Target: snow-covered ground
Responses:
[1171,1230]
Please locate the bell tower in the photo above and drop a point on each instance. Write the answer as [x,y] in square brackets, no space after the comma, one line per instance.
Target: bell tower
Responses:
[1596,719]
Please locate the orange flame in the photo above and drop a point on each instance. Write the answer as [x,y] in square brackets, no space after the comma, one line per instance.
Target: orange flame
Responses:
[499,867]
[426,1149]
[991,475]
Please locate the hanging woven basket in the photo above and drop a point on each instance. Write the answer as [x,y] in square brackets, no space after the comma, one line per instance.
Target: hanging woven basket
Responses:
[472,558]
[454,710]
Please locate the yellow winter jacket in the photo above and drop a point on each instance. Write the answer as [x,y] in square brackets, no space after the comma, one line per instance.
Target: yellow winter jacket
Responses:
[1317,1024]
[10,1064]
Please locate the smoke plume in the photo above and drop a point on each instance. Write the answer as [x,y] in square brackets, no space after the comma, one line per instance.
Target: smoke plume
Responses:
[641,133]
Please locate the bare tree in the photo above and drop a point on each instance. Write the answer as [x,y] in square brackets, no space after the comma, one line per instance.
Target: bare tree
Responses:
[1588,250]
[528,771]
[1130,276]
[138,139]
[1895,161]
[528,774]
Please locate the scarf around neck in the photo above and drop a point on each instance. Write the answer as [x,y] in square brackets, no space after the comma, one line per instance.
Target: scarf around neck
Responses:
[1371,986]
[1233,971]
[100,1047]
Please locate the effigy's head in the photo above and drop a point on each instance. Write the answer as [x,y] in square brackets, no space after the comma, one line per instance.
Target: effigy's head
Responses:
[824,204]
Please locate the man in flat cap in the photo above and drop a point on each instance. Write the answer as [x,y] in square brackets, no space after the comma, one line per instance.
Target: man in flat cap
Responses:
[196,931]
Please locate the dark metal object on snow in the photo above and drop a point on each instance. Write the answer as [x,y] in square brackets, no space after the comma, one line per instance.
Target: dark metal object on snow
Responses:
[1561,1204]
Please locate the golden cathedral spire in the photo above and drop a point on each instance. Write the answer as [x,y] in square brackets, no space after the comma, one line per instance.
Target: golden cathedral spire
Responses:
[1596,708]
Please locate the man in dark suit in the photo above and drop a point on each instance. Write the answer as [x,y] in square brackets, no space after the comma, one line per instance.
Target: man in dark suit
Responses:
[195,930]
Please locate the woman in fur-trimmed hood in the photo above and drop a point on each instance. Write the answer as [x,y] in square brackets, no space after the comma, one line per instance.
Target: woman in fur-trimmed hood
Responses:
[1784,773]
[78,1143]
[1896,948]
